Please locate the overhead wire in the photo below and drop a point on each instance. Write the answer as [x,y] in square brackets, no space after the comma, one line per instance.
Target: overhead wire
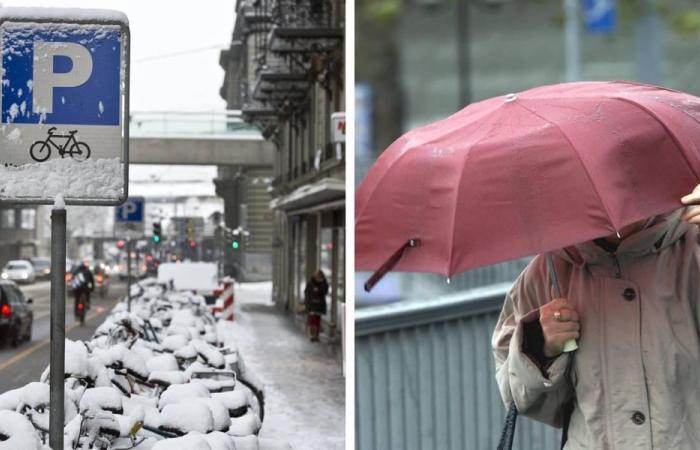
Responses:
[181,53]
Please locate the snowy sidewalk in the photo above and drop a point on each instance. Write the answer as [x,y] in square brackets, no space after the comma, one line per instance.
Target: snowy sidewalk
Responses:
[304,386]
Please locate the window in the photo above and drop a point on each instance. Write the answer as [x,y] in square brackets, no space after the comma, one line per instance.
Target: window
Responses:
[19,296]
[28,219]
[11,296]
[7,218]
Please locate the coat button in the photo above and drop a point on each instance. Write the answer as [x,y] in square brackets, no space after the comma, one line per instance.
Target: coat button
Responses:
[638,418]
[629,294]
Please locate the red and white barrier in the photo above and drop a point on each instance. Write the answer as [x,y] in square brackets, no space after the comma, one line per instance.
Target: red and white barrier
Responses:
[223,308]
[227,295]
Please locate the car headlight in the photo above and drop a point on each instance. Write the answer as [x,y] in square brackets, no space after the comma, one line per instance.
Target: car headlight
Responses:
[4,275]
[25,275]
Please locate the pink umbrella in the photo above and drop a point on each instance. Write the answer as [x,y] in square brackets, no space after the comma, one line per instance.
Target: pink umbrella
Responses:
[526,173]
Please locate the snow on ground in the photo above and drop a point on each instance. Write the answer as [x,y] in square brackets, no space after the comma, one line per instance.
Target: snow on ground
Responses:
[93,178]
[304,386]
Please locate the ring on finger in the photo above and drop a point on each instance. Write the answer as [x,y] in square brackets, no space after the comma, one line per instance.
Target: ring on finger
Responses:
[557,316]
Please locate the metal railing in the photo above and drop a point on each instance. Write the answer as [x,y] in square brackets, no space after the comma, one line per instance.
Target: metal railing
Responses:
[425,372]
[190,124]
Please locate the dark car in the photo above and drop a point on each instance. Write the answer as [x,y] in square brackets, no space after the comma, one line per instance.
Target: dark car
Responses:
[16,315]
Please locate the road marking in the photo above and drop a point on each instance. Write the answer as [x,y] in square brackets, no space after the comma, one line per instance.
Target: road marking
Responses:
[98,311]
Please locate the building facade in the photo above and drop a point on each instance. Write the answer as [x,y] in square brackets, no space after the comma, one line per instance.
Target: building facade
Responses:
[284,70]
[18,233]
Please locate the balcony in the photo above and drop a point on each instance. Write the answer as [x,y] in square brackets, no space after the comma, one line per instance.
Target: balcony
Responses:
[276,87]
[252,16]
[304,28]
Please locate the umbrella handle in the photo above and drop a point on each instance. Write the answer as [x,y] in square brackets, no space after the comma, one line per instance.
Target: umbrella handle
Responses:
[570,345]
[390,263]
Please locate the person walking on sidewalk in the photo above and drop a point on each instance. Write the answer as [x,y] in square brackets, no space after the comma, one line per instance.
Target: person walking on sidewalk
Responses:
[315,302]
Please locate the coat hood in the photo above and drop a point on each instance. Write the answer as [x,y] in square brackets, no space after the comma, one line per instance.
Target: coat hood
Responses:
[663,232]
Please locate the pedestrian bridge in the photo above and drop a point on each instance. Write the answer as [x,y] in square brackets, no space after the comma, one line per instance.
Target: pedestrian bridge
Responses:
[208,138]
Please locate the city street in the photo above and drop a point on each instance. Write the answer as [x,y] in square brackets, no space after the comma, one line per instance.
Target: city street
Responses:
[21,365]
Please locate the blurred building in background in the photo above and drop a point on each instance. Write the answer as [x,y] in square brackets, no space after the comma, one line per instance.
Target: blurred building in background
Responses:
[284,70]
[19,234]
[421,60]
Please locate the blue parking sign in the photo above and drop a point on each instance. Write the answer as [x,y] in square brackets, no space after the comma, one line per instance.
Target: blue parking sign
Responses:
[64,98]
[77,82]
[130,211]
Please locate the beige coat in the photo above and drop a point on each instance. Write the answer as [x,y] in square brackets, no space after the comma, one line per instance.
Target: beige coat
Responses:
[637,369]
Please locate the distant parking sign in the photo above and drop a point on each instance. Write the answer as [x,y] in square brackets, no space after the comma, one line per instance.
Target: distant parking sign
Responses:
[64,105]
[130,211]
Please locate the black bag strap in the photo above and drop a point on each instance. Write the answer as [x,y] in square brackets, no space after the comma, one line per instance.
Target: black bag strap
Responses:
[508,432]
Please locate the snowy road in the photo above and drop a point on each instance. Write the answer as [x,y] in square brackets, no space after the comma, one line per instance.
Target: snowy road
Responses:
[304,385]
[25,363]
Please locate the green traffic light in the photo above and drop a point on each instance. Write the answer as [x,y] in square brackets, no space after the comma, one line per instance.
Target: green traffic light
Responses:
[235,244]
[156,239]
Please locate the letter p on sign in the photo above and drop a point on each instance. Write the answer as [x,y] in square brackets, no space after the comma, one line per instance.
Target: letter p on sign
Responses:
[45,76]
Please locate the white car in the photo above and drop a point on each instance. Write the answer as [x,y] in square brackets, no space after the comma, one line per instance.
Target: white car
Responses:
[19,270]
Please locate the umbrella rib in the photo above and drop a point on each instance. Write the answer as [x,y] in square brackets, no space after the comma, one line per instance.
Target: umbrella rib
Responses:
[668,130]
[573,148]
[422,144]
[459,191]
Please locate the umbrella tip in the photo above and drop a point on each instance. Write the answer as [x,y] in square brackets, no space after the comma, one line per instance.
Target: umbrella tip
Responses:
[511,97]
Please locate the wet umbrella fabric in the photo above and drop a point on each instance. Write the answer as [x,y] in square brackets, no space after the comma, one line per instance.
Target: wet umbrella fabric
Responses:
[526,173]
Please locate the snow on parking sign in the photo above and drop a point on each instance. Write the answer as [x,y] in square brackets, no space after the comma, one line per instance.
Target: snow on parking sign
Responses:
[63,105]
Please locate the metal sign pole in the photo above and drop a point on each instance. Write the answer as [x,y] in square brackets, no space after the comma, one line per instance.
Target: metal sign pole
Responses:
[58,327]
[128,275]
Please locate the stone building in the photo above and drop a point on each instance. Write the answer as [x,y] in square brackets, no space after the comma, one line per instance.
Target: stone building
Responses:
[284,70]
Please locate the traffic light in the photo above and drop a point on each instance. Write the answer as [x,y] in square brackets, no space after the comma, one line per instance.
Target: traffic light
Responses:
[120,244]
[193,244]
[235,244]
[157,231]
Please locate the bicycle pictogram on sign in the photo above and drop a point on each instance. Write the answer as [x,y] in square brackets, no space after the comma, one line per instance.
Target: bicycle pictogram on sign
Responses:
[40,151]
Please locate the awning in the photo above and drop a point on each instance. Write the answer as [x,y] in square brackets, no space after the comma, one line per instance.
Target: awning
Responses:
[319,192]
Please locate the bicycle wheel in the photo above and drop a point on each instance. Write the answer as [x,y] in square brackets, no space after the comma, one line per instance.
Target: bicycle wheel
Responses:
[79,151]
[40,151]
[80,309]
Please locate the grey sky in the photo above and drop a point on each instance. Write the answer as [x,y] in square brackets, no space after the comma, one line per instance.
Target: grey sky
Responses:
[158,27]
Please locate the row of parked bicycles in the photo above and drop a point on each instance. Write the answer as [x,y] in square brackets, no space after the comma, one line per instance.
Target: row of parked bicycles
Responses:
[155,378]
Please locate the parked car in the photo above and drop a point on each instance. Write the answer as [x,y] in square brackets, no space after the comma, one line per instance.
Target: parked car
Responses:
[16,316]
[19,270]
[42,267]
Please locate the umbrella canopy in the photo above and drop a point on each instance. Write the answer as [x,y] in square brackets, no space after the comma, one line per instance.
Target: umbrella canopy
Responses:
[527,173]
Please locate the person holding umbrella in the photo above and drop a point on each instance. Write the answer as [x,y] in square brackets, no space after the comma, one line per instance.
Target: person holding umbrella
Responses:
[587,176]
[633,303]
